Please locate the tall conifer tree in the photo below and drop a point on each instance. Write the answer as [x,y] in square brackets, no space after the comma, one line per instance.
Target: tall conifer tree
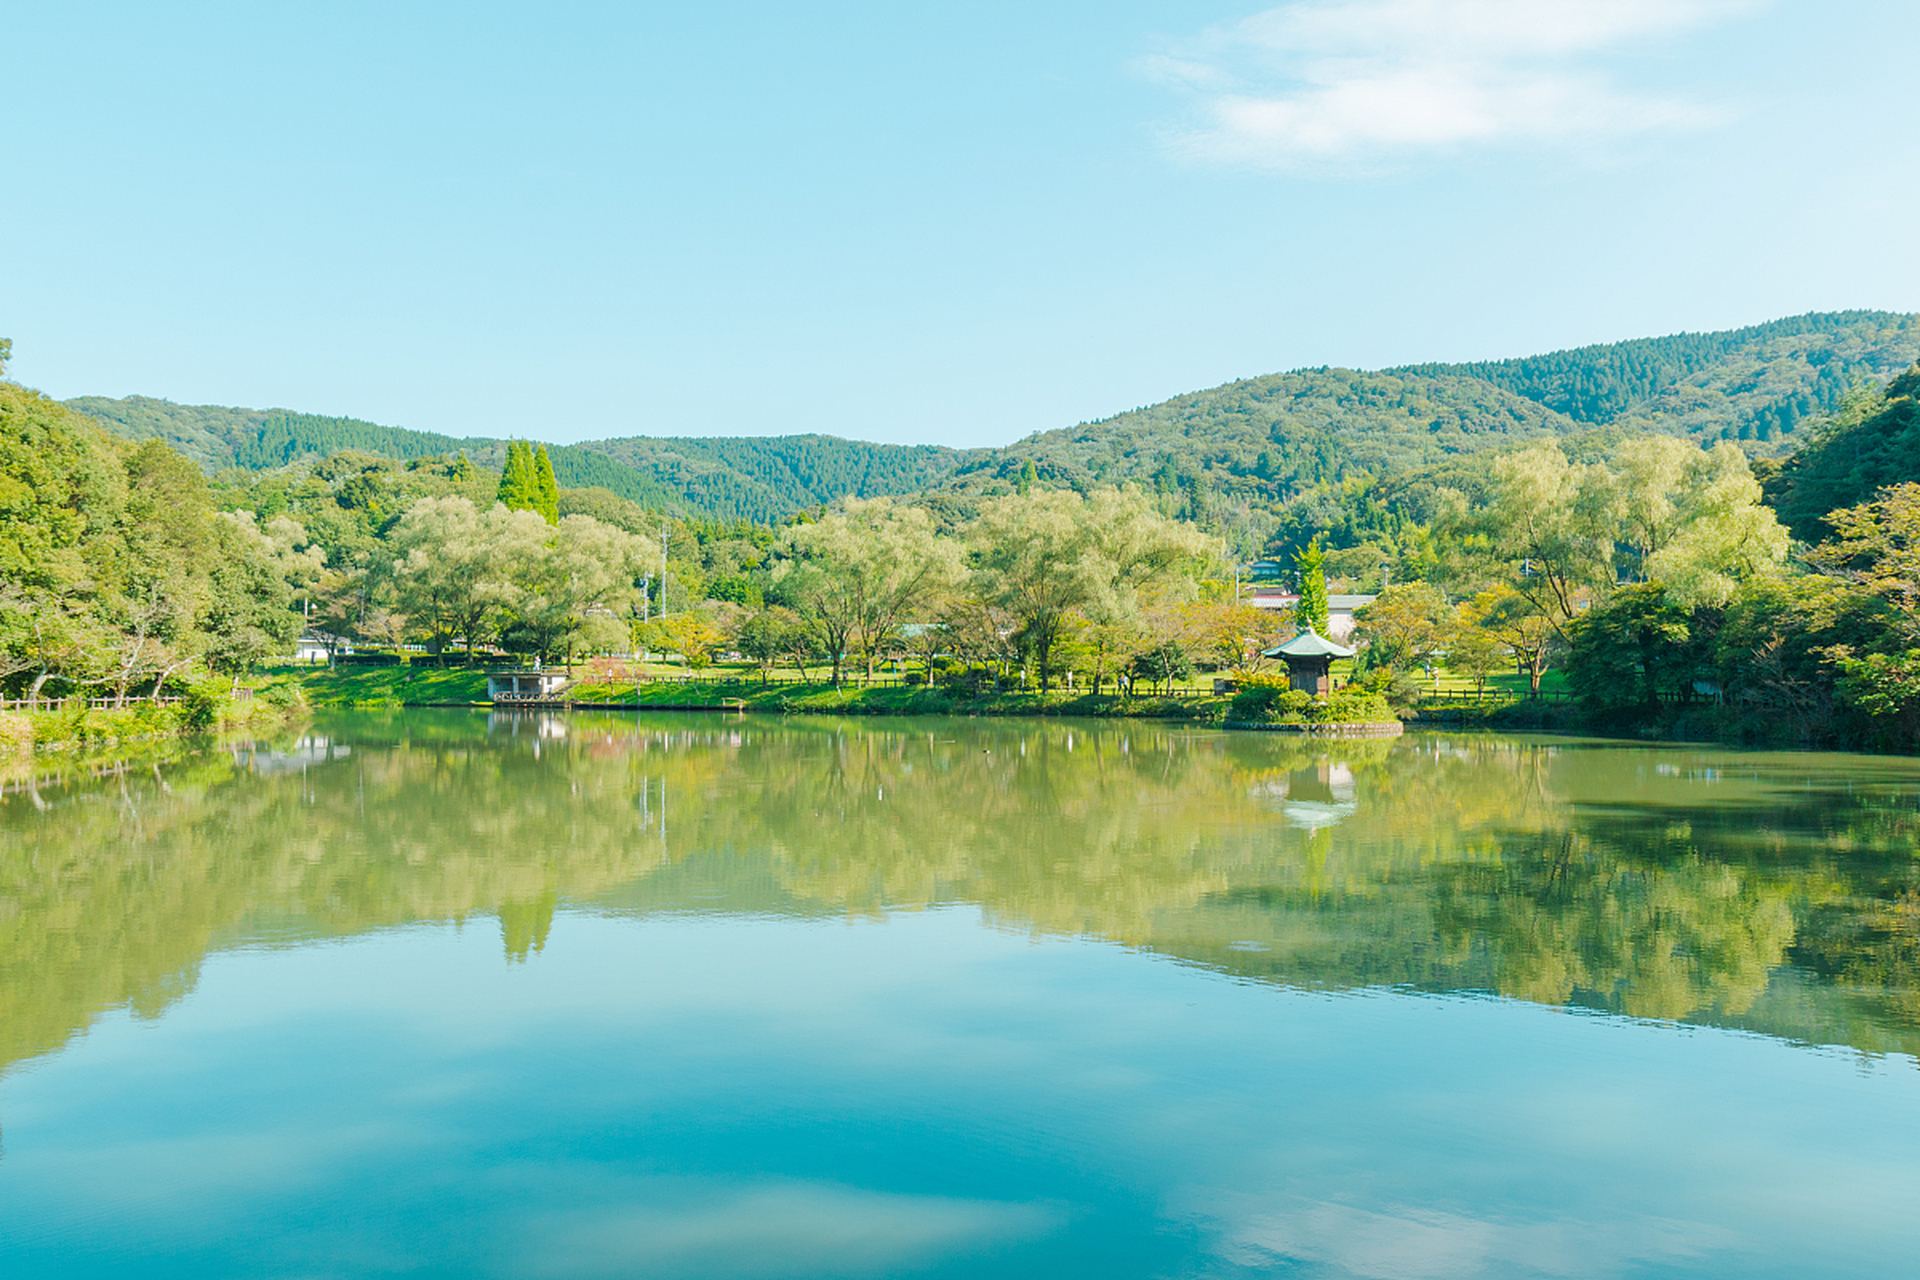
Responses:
[519,480]
[546,491]
[1313,607]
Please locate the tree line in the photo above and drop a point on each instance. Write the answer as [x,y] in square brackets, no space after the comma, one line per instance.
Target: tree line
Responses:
[1658,577]
[1049,586]
[118,576]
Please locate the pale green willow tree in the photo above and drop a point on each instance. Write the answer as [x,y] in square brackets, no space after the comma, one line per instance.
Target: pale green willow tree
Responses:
[1721,534]
[455,566]
[1552,525]
[299,560]
[1047,553]
[1649,474]
[1689,519]
[862,571]
[575,585]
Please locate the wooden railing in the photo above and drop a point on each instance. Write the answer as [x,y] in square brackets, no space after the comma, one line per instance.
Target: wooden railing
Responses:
[90,704]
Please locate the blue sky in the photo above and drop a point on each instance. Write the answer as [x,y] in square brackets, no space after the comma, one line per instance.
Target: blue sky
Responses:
[921,223]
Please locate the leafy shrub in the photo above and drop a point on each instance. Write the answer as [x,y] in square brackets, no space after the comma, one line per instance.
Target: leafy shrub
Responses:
[16,734]
[929,702]
[283,696]
[1351,706]
[1268,703]
[200,706]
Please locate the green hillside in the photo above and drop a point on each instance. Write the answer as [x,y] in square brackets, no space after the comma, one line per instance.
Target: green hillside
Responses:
[1238,454]
[1262,443]
[209,434]
[1874,442]
[761,479]
[766,478]
[1262,440]
[1758,385]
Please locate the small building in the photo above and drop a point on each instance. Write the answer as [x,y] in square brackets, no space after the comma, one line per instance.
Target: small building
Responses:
[1340,611]
[319,646]
[1309,657]
[525,684]
[1266,595]
[311,648]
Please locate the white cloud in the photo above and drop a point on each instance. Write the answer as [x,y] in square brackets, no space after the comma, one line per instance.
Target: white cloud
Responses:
[1333,80]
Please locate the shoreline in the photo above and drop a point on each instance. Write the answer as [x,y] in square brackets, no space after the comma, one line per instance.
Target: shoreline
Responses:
[30,735]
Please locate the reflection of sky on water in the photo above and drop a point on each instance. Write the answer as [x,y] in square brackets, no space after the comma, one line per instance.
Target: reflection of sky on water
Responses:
[745,1096]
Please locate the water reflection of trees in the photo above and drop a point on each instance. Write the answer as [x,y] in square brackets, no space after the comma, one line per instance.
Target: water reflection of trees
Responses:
[1550,872]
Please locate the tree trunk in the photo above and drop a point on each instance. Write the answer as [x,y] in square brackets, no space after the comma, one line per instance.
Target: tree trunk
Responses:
[1043,639]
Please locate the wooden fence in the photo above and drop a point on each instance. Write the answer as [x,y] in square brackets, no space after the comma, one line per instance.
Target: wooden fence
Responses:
[90,704]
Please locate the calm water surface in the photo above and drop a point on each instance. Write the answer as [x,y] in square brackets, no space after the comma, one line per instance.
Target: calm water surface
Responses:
[439,994]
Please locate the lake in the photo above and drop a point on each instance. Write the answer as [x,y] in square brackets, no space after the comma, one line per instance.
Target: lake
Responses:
[457,994]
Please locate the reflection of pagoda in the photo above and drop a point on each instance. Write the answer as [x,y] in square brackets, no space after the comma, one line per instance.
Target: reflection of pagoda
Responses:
[1309,657]
[1320,796]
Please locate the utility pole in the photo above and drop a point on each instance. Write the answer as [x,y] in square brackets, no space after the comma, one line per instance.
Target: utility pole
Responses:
[663,567]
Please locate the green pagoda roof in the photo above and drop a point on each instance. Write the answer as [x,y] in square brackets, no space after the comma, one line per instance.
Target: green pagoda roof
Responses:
[1309,644]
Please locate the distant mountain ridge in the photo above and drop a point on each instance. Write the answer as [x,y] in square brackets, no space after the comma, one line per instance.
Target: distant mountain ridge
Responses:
[752,478]
[1756,385]
[1249,445]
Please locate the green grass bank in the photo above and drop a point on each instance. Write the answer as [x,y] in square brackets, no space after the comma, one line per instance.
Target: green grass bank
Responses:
[405,686]
[78,726]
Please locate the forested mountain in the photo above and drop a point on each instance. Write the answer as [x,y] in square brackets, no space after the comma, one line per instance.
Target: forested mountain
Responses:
[218,437]
[1261,440]
[761,479]
[1238,456]
[764,478]
[1872,443]
[1337,449]
[1755,385]
[209,434]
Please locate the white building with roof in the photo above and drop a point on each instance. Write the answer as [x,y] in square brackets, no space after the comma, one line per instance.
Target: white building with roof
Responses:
[1340,609]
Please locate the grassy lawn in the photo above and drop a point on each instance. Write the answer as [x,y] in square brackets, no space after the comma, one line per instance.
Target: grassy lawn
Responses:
[424,683]
[384,686]
[401,685]
[1509,682]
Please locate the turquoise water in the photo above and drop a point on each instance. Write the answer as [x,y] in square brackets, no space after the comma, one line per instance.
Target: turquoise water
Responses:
[436,995]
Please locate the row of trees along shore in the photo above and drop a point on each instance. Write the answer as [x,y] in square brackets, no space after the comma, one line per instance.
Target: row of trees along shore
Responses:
[1652,573]
[119,577]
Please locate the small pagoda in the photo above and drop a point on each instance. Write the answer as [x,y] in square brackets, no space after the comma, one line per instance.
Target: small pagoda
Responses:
[1309,657]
